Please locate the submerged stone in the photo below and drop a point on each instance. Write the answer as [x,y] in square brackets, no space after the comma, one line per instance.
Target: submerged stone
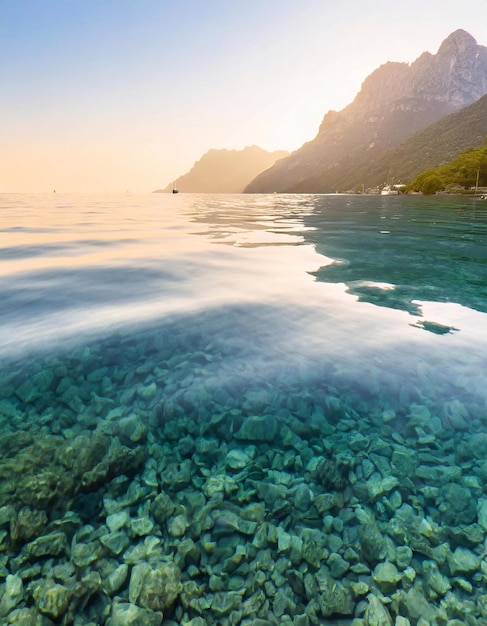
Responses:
[155,588]
[482,513]
[333,598]
[376,613]
[53,544]
[115,542]
[116,579]
[127,614]
[259,428]
[12,595]
[386,577]
[116,521]
[52,599]
[237,459]
[303,498]
[435,582]
[372,542]
[418,607]
[463,561]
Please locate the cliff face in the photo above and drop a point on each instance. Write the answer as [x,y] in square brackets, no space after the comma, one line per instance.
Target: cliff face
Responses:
[226,171]
[394,102]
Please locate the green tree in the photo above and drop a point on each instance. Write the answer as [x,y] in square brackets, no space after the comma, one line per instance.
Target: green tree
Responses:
[429,182]
[461,171]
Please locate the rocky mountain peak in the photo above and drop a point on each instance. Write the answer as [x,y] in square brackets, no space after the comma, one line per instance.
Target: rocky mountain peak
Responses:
[457,43]
[394,102]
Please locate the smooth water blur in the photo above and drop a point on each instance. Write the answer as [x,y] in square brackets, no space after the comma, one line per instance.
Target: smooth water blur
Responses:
[348,280]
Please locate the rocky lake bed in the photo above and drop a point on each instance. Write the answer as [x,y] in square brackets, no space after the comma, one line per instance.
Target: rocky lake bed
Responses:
[140,486]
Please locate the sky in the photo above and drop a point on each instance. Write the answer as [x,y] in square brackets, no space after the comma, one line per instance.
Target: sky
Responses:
[125,95]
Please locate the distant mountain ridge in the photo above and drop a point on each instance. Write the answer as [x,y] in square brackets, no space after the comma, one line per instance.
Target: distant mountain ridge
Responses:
[395,101]
[225,171]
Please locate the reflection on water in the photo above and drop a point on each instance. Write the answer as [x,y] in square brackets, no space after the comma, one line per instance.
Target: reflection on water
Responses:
[428,250]
[224,409]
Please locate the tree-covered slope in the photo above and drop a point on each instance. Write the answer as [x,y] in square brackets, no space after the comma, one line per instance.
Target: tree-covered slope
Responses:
[462,172]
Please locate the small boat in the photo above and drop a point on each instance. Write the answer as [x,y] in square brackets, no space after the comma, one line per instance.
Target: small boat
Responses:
[174,189]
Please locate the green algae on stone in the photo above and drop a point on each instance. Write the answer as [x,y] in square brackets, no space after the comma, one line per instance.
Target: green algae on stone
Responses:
[376,613]
[155,588]
[127,614]
[12,595]
[52,599]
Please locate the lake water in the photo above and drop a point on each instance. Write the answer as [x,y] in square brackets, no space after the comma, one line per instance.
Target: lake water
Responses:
[225,408]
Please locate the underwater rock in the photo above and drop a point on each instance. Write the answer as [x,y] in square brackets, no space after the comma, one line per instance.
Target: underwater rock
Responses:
[386,577]
[338,565]
[147,392]
[258,428]
[333,597]
[237,459]
[131,430]
[12,595]
[141,526]
[85,553]
[155,588]
[404,555]
[457,505]
[463,561]
[435,583]
[314,549]
[23,617]
[376,613]
[177,526]
[41,489]
[26,524]
[127,614]
[119,461]
[377,486]
[53,544]
[115,542]
[162,508]
[148,550]
[326,502]
[482,513]
[418,607]
[403,462]
[116,579]
[372,543]
[455,415]
[52,599]
[303,498]
[116,521]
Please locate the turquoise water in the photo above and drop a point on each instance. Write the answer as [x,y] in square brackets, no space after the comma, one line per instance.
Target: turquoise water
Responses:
[222,409]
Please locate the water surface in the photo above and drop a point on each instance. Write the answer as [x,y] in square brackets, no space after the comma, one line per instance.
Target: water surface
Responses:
[251,338]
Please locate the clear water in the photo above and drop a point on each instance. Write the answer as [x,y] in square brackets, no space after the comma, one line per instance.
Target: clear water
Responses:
[336,316]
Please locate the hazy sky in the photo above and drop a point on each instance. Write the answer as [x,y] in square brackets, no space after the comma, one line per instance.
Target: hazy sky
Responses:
[115,95]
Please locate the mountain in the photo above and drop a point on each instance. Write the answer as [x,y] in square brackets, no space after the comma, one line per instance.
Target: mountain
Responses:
[395,101]
[433,146]
[226,171]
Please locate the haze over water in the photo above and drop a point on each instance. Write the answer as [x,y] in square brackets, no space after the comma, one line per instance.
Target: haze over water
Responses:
[75,265]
